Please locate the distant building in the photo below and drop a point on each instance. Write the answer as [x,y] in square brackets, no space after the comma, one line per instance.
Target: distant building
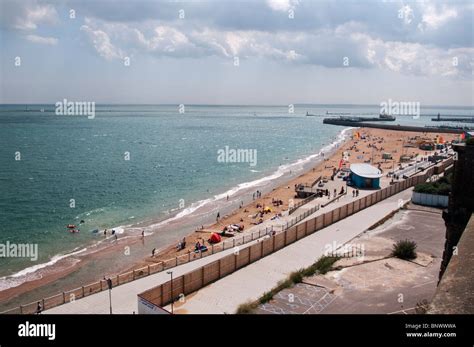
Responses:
[365,176]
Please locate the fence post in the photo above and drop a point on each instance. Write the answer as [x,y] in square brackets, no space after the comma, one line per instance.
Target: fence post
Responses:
[148,275]
[133,274]
[118,280]
[64,294]
[21,309]
[212,249]
[82,291]
[161,295]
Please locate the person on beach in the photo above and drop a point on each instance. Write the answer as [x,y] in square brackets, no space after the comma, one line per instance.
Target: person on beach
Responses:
[39,308]
[143,233]
[181,244]
[153,252]
[105,232]
[115,235]
[218,216]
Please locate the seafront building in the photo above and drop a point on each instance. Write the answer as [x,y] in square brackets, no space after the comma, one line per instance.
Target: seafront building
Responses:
[365,176]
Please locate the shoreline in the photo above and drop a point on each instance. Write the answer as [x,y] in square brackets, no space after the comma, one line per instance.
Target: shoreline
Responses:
[65,266]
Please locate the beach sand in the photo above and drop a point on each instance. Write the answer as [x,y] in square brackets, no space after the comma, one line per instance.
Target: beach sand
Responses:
[368,147]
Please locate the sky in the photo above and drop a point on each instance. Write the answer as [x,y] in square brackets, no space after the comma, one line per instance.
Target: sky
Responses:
[268,52]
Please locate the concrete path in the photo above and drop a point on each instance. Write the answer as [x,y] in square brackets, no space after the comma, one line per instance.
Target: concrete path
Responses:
[249,283]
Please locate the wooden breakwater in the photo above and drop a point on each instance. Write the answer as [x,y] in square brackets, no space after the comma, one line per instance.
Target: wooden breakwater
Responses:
[398,127]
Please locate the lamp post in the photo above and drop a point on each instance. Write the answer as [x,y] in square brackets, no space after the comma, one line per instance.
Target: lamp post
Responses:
[109,284]
[171,283]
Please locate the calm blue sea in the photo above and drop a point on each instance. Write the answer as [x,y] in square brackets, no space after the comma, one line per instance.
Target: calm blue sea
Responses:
[173,159]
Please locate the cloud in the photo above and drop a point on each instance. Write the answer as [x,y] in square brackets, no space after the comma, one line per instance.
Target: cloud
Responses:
[380,18]
[44,40]
[325,47]
[434,19]
[27,15]
[102,44]
[416,39]
[282,5]
[417,59]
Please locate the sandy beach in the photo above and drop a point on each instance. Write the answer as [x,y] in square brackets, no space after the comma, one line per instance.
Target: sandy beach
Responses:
[362,145]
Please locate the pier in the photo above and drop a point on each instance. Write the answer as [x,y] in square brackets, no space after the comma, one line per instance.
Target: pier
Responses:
[452,119]
[398,127]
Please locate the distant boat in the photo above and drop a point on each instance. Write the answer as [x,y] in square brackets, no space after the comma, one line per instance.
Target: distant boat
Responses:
[310,115]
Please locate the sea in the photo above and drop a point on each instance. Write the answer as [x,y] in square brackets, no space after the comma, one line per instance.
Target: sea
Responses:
[147,168]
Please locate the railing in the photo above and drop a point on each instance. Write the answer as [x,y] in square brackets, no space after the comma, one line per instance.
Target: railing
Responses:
[301,203]
[334,199]
[316,181]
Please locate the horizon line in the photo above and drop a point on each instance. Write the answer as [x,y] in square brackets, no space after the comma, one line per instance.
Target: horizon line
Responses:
[231,105]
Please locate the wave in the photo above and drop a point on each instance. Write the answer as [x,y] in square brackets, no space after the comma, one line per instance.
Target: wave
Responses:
[30,273]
